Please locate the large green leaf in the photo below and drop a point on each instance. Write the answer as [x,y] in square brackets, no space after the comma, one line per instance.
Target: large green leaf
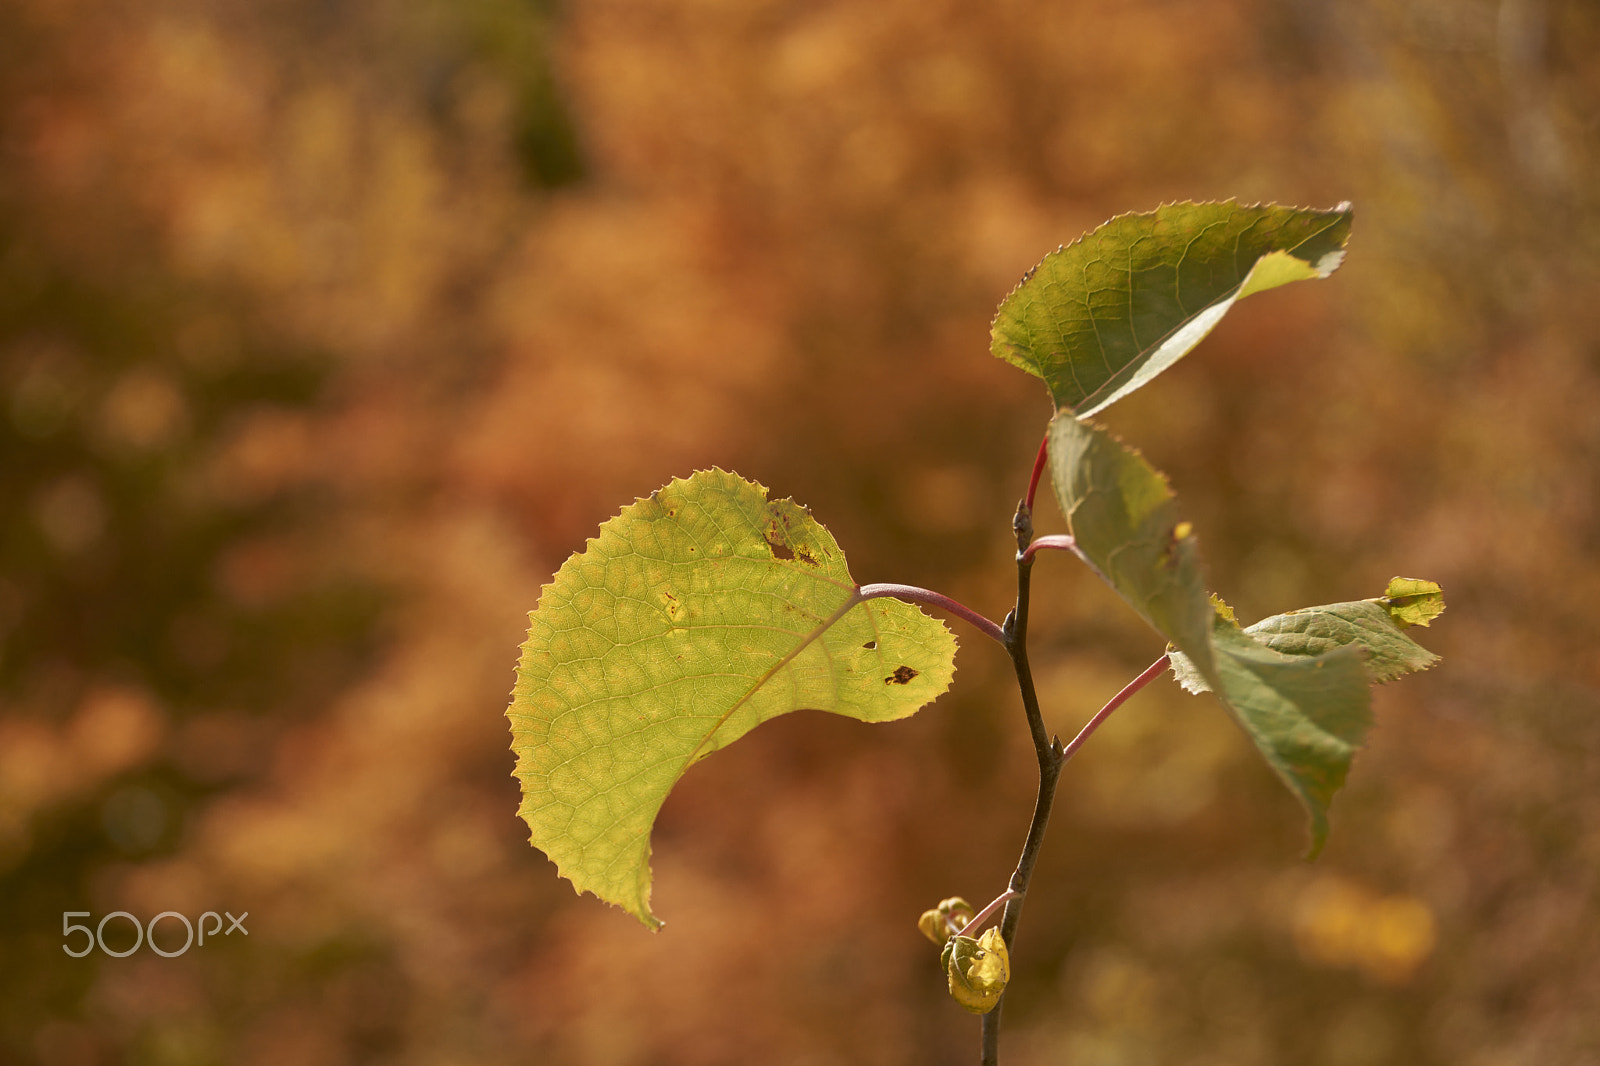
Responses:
[1297,684]
[1105,314]
[693,617]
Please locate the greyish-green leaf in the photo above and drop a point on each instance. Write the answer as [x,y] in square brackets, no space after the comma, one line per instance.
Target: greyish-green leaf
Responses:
[1308,715]
[1100,317]
[693,616]
[1297,684]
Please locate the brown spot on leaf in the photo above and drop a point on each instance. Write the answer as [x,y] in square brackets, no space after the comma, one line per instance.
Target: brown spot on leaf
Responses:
[902,676]
[673,607]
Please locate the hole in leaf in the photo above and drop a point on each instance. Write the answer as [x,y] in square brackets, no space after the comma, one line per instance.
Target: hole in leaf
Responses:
[902,675]
[871,645]
[780,550]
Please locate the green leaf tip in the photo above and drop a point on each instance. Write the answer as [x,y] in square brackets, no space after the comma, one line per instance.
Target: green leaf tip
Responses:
[1298,684]
[1101,317]
[1220,606]
[693,616]
[1411,601]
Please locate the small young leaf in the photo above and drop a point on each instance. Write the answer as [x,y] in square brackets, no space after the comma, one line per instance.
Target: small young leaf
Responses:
[978,970]
[1100,317]
[1297,683]
[694,616]
[946,920]
[1411,601]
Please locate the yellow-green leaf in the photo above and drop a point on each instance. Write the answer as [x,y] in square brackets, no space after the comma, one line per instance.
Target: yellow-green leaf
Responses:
[1100,317]
[946,920]
[1412,601]
[978,970]
[693,616]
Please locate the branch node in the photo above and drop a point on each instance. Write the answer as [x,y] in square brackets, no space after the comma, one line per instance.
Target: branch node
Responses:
[1022,525]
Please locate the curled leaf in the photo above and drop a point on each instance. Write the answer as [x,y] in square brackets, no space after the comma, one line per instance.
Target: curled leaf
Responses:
[978,970]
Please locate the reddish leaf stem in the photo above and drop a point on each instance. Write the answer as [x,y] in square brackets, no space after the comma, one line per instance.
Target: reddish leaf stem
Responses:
[1061,542]
[1057,541]
[1153,671]
[1038,469]
[988,912]
[929,598]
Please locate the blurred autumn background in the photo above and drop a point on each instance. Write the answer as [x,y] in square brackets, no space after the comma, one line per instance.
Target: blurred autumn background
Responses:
[328,330]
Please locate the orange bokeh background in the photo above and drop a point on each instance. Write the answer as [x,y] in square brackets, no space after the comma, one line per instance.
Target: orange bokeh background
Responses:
[328,331]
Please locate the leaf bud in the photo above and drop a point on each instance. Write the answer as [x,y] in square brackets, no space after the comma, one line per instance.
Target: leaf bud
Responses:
[950,917]
[978,970]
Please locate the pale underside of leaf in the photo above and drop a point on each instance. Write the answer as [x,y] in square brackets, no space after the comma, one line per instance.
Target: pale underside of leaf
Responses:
[693,616]
[1297,684]
[1099,318]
